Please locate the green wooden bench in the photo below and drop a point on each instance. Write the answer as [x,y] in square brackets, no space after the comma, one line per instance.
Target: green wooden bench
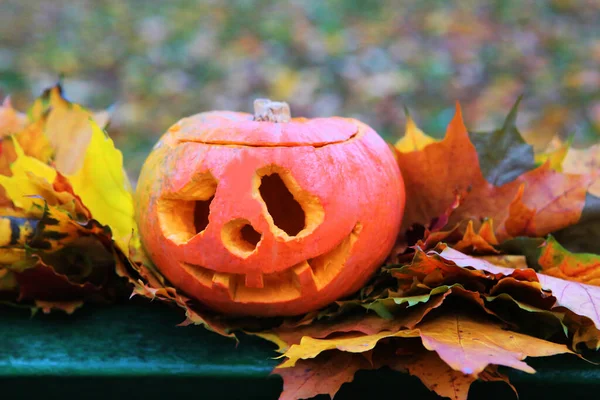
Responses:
[137,351]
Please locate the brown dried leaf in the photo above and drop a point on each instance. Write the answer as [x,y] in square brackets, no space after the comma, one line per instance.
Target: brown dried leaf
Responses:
[323,375]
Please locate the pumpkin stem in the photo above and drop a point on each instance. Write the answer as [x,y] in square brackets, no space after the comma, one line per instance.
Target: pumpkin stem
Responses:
[271,111]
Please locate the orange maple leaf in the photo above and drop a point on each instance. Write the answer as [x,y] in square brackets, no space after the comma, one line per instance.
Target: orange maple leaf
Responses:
[441,171]
[324,375]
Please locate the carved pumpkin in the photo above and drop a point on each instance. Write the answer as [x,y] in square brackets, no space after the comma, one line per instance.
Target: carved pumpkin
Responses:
[268,215]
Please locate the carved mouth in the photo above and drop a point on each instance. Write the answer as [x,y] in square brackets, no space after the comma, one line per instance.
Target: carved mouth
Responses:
[303,278]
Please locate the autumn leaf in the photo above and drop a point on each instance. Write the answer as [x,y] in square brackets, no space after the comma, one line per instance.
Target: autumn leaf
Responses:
[555,154]
[103,187]
[57,229]
[20,187]
[470,344]
[33,184]
[452,169]
[352,343]
[462,347]
[481,242]
[506,260]
[414,139]
[39,281]
[432,371]
[538,320]
[556,261]
[523,246]
[67,127]
[584,236]
[368,324]
[394,305]
[465,343]
[330,370]
[15,231]
[148,282]
[324,375]
[55,262]
[503,154]
[584,161]
[437,376]
[11,121]
[580,299]
[99,188]
[434,270]
[68,307]
[33,141]
[478,287]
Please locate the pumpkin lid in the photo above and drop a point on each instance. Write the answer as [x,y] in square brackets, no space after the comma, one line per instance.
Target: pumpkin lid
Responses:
[270,126]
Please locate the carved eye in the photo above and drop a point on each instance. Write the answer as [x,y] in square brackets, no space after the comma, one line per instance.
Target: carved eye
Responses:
[284,209]
[290,210]
[183,215]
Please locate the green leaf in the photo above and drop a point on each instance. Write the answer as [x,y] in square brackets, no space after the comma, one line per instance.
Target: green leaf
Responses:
[526,246]
[386,307]
[503,153]
[557,261]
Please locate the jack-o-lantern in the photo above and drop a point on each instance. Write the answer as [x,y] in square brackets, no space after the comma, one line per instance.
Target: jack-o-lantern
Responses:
[269,215]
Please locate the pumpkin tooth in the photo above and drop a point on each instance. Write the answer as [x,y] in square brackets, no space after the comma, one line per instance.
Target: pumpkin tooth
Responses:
[203,275]
[223,283]
[305,277]
[254,280]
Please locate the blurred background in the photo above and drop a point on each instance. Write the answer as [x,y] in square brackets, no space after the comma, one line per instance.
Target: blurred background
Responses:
[158,61]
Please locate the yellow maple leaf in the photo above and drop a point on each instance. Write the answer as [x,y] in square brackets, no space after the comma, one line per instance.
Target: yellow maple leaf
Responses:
[20,187]
[353,343]
[555,153]
[34,142]
[104,188]
[66,127]
[414,139]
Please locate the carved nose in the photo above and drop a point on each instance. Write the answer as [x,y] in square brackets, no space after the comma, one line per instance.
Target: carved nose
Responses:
[240,237]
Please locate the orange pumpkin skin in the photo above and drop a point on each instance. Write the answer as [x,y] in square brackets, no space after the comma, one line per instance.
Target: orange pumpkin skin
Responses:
[263,218]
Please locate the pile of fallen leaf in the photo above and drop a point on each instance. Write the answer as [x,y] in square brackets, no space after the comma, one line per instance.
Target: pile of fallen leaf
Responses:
[490,268]
[66,208]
